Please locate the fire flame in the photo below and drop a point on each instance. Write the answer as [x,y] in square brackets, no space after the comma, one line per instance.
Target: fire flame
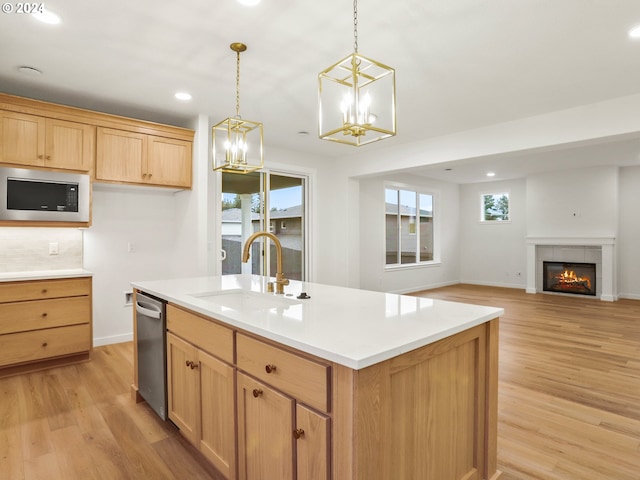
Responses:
[569,277]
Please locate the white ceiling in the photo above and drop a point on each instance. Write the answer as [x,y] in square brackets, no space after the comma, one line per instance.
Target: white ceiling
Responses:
[460,64]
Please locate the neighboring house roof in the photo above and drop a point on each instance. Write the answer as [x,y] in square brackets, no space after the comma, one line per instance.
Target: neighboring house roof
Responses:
[390,209]
[234,215]
[291,212]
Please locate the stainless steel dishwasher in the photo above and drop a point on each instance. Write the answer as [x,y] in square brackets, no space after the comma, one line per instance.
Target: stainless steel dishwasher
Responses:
[152,352]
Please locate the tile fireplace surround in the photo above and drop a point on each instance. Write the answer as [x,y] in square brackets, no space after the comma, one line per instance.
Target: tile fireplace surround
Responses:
[598,250]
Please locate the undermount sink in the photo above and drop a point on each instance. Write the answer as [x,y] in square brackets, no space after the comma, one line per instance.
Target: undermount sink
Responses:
[244,300]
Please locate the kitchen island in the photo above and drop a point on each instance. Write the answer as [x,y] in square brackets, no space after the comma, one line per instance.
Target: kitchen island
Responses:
[346,384]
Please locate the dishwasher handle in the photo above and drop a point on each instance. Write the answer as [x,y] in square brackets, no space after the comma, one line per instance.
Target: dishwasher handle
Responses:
[148,310]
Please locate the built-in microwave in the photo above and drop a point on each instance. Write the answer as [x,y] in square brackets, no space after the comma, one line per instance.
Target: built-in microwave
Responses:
[44,196]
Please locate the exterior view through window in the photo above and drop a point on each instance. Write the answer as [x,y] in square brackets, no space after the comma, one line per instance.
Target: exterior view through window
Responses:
[408,227]
[495,207]
[264,201]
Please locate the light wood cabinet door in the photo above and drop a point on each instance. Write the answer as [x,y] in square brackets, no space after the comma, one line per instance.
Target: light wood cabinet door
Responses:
[312,443]
[182,387]
[168,162]
[217,413]
[69,145]
[22,139]
[265,431]
[120,155]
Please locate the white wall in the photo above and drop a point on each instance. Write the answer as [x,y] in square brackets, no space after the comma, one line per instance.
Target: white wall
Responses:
[628,244]
[373,275]
[573,203]
[133,237]
[493,253]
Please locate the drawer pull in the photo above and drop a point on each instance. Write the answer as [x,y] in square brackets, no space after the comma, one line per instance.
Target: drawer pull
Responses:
[44,344]
[257,392]
[44,290]
[298,433]
[44,314]
[270,368]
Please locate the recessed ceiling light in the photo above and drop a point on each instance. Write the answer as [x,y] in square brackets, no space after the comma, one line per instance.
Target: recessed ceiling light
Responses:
[47,16]
[249,3]
[635,32]
[184,96]
[303,133]
[491,174]
[448,169]
[31,71]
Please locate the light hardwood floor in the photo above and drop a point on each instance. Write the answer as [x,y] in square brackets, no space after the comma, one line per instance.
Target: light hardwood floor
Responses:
[569,388]
[569,402]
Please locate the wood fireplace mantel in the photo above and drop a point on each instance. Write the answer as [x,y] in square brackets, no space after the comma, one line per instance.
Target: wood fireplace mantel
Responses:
[606,245]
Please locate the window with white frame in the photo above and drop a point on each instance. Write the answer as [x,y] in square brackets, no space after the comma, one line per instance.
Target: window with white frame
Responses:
[494,207]
[408,227]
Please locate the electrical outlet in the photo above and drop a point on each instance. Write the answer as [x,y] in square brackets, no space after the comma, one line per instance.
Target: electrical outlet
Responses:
[518,274]
[53,248]
[131,247]
[128,298]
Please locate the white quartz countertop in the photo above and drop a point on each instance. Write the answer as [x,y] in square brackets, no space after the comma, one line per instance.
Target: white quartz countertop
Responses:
[355,328]
[44,274]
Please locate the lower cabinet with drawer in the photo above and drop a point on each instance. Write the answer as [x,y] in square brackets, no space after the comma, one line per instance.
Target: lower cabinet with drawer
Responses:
[278,401]
[44,323]
[201,386]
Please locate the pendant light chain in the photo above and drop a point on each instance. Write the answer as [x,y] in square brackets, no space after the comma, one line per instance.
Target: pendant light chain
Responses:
[238,84]
[355,26]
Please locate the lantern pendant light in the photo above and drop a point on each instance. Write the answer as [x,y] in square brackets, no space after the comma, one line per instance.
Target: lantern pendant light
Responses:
[237,143]
[357,98]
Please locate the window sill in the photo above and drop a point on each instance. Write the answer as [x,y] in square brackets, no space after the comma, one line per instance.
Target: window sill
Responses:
[410,266]
[494,222]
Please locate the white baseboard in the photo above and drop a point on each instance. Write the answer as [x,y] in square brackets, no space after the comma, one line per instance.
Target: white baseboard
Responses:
[629,296]
[495,284]
[100,341]
[423,287]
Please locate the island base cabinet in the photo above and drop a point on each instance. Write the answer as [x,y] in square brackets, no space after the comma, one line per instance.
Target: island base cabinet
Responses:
[201,402]
[426,414]
[312,444]
[182,387]
[265,431]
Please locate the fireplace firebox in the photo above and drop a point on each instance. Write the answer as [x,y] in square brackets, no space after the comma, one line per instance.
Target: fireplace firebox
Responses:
[576,278]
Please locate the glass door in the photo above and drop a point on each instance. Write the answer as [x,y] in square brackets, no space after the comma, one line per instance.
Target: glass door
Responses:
[281,211]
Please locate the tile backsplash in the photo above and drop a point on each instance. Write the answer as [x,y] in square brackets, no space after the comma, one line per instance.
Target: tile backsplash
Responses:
[24,249]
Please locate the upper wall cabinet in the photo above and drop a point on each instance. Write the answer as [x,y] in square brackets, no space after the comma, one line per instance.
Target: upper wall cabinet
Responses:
[113,149]
[31,140]
[130,157]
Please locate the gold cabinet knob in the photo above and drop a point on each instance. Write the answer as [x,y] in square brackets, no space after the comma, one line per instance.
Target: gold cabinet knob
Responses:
[45,314]
[257,392]
[270,368]
[144,175]
[188,363]
[40,157]
[44,344]
[193,365]
[48,157]
[298,433]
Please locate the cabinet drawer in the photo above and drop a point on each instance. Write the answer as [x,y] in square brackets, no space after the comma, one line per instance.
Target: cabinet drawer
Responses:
[209,336]
[41,344]
[39,314]
[41,289]
[305,380]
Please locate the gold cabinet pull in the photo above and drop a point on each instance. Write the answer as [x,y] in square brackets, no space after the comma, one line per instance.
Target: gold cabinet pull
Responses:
[257,392]
[298,433]
[270,368]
